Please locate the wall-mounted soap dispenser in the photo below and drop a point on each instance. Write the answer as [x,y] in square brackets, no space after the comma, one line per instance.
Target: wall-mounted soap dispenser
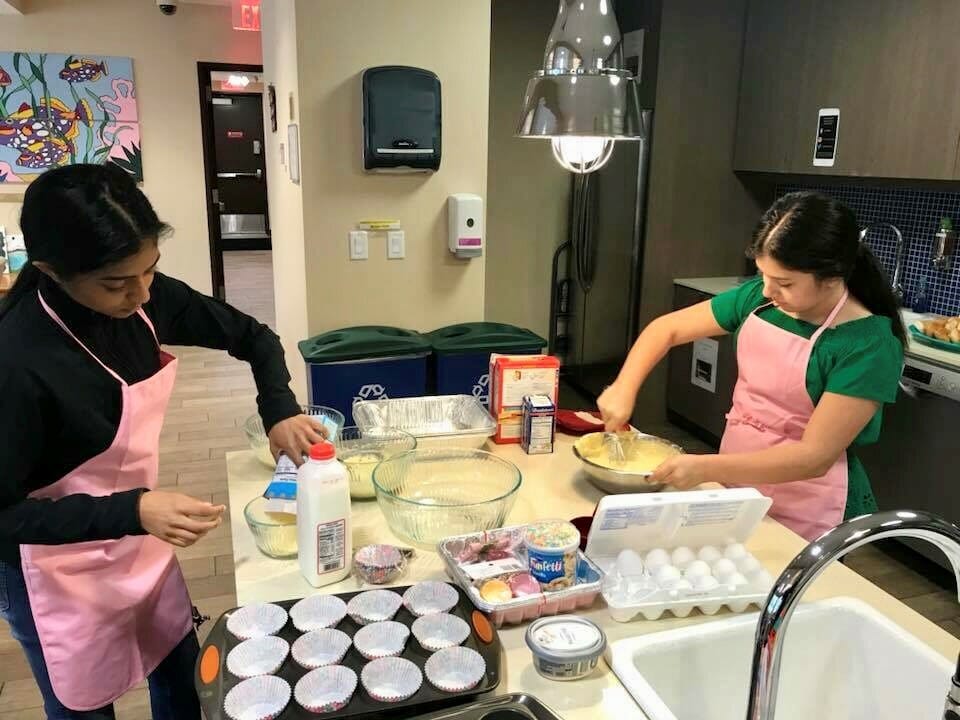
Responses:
[944,243]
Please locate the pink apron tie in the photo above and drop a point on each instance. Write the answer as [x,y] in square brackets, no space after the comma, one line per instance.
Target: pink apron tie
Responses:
[109,611]
[771,406]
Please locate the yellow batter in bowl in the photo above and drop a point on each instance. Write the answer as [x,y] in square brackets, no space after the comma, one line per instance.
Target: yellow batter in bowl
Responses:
[642,453]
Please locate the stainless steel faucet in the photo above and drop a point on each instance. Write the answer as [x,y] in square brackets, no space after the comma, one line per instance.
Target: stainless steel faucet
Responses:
[807,566]
[899,267]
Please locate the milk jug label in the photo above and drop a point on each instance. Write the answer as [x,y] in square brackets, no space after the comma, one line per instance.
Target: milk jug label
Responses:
[331,546]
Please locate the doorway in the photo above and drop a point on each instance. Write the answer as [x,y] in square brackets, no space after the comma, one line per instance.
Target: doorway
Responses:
[235,170]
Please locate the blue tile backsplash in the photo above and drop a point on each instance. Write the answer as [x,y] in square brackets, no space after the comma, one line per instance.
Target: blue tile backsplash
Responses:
[917,213]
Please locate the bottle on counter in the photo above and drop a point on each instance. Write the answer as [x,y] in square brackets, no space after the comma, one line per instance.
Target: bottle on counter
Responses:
[921,298]
[324,529]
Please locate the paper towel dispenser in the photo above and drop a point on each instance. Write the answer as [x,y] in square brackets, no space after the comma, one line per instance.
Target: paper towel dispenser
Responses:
[401,119]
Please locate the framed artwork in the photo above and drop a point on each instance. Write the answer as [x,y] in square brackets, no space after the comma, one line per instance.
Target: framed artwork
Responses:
[272,104]
[58,109]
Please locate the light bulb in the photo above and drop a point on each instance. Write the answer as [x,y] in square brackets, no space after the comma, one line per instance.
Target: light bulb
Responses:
[582,154]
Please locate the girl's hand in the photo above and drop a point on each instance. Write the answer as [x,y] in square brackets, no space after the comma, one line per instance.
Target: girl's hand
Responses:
[616,406]
[683,472]
[295,435]
[177,518]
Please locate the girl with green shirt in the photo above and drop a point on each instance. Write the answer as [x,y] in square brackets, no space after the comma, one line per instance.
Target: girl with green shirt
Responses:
[820,351]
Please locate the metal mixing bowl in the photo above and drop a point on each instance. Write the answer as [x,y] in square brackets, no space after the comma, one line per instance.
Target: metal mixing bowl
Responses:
[614,481]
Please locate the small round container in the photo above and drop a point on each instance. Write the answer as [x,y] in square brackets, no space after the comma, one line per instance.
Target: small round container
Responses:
[259,698]
[379,564]
[274,533]
[455,669]
[318,612]
[565,647]
[381,640]
[326,689]
[391,680]
[374,606]
[257,620]
[257,656]
[552,548]
[429,598]
[320,648]
[523,585]
[437,632]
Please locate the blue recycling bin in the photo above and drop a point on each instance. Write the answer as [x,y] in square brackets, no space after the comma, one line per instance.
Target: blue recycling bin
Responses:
[461,355]
[364,363]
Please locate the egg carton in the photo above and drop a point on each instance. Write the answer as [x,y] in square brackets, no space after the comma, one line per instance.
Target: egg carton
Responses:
[634,537]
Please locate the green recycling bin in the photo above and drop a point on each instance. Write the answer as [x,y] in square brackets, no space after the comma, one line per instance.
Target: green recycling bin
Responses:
[461,355]
[365,363]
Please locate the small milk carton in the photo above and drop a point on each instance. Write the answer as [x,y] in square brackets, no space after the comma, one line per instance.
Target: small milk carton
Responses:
[512,378]
[539,422]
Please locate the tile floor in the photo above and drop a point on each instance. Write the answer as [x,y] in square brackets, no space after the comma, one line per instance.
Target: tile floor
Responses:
[215,393]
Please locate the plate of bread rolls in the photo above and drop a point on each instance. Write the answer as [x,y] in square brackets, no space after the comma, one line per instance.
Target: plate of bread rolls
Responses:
[941,332]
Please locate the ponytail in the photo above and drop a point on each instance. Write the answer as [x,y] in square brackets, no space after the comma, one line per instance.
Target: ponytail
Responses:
[27,282]
[813,233]
[869,284]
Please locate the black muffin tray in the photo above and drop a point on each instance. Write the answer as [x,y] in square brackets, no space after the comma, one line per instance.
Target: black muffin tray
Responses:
[213,680]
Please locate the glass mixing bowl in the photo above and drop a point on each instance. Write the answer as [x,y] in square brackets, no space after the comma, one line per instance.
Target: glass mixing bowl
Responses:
[361,451]
[274,533]
[260,443]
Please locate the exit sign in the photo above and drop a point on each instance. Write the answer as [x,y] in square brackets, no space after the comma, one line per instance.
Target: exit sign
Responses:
[246,15]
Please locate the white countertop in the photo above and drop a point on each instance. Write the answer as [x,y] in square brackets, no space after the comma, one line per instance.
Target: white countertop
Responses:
[553,486]
[717,285]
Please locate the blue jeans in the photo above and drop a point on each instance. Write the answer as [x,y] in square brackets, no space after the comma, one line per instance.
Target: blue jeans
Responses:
[172,692]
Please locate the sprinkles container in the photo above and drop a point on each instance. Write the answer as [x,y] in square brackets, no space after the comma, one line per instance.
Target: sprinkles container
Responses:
[552,547]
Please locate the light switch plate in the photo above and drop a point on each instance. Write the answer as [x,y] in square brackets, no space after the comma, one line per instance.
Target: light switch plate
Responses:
[359,245]
[396,245]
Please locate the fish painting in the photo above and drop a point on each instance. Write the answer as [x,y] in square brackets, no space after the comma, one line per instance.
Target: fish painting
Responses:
[83,70]
[46,136]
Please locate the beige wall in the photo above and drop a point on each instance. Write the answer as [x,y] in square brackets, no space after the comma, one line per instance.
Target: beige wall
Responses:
[338,39]
[279,28]
[165,52]
[528,192]
[699,215]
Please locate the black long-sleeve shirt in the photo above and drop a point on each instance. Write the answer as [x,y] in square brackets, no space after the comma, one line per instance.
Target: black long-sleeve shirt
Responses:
[59,407]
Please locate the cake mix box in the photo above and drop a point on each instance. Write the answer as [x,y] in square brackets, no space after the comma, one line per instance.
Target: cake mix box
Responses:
[512,378]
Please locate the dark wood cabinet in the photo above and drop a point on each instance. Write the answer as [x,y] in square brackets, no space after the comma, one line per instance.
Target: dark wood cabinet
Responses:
[891,67]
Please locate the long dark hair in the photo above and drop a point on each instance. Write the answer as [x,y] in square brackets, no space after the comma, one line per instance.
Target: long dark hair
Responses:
[80,218]
[813,233]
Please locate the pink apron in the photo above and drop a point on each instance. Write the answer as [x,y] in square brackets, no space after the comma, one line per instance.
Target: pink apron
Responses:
[771,406]
[109,611]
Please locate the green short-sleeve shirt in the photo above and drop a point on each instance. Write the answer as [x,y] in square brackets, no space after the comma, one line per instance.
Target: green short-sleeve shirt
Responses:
[860,358]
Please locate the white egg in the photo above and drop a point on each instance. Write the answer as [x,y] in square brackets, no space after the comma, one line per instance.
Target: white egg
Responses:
[638,588]
[680,586]
[683,556]
[696,569]
[723,568]
[762,579]
[734,551]
[656,559]
[709,554]
[629,563]
[735,579]
[706,583]
[748,565]
[667,574]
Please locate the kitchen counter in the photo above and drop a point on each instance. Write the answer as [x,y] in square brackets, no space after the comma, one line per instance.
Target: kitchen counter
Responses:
[717,285]
[553,486]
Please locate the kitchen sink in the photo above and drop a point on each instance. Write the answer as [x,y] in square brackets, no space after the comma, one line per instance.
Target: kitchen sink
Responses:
[841,659]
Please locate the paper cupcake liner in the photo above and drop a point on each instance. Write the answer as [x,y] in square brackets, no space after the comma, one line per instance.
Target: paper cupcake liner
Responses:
[257,620]
[374,606]
[379,564]
[382,639]
[318,612]
[259,698]
[257,656]
[436,632]
[391,680]
[429,598]
[320,648]
[326,689]
[455,669]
